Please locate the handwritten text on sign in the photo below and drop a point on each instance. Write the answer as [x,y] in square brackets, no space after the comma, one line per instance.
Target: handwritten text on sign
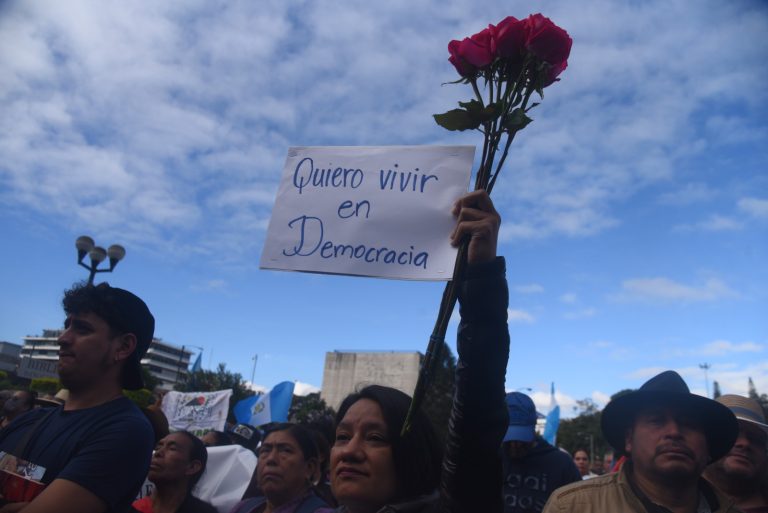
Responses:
[368,211]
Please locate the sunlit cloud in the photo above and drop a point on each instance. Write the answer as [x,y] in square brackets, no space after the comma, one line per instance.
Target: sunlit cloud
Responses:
[520,317]
[667,290]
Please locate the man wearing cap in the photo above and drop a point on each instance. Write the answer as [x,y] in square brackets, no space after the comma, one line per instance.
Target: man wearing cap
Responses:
[533,469]
[742,474]
[92,453]
[668,436]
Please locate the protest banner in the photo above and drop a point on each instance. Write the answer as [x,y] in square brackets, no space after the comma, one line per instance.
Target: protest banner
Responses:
[368,211]
[196,412]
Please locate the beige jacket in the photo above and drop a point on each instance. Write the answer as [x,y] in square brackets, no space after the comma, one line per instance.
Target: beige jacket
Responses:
[612,493]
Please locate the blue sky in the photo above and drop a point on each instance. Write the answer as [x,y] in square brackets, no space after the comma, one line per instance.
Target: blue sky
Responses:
[635,207]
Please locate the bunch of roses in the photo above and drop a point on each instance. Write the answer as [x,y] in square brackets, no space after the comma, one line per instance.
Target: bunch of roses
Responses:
[504,47]
[515,58]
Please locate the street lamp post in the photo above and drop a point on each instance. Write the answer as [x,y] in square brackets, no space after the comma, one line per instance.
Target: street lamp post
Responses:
[97,254]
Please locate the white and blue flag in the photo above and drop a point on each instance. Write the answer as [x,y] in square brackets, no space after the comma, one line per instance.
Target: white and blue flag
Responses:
[270,407]
[553,419]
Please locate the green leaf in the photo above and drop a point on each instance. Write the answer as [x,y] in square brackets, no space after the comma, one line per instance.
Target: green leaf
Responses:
[516,120]
[456,119]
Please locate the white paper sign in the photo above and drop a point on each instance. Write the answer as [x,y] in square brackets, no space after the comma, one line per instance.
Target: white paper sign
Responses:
[197,412]
[368,211]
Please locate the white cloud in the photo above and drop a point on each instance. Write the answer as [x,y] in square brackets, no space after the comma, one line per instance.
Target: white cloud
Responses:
[259,389]
[304,389]
[756,207]
[584,313]
[723,347]
[601,398]
[176,116]
[714,223]
[666,290]
[531,288]
[520,316]
[690,193]
[568,297]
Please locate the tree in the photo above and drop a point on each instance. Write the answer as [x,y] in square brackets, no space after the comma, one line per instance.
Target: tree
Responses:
[762,399]
[439,396]
[306,409]
[583,431]
[716,390]
[150,382]
[220,379]
[45,386]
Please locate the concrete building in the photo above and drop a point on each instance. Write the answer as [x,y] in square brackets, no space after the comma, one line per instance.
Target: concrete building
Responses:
[346,372]
[42,347]
[167,362]
[9,356]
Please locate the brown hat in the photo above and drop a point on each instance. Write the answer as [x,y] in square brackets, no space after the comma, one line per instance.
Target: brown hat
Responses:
[745,409]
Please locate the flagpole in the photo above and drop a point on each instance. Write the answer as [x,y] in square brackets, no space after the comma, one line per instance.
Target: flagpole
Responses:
[253,372]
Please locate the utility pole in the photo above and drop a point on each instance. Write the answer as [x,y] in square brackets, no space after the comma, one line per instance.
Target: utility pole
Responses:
[253,373]
[705,367]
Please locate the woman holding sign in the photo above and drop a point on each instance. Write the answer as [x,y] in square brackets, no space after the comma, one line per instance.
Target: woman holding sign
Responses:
[373,467]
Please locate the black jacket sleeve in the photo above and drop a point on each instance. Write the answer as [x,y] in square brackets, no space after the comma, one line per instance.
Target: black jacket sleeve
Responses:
[472,476]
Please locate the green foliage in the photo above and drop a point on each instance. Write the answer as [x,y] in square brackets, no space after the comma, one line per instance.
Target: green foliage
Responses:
[150,382]
[762,399]
[220,379]
[306,409]
[45,386]
[439,395]
[142,398]
[583,431]
[516,120]
[5,382]
[470,116]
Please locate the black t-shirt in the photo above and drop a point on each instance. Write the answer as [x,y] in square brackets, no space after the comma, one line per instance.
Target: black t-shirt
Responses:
[105,449]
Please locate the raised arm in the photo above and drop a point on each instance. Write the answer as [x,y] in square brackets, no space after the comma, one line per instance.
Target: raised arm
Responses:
[472,475]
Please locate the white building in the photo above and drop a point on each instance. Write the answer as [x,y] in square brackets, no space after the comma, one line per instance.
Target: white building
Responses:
[166,362]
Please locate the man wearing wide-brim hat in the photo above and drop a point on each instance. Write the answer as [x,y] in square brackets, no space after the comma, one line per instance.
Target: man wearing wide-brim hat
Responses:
[668,436]
[743,472]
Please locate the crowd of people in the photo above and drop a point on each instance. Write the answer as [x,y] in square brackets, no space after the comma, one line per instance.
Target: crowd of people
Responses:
[673,451]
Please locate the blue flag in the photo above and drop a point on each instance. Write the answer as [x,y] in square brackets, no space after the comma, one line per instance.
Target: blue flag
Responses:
[553,419]
[270,407]
[198,363]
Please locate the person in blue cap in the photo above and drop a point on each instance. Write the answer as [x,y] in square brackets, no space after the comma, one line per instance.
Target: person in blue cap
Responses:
[533,469]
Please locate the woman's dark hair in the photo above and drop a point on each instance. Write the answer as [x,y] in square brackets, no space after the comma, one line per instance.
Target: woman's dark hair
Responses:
[303,436]
[197,452]
[418,455]
[581,449]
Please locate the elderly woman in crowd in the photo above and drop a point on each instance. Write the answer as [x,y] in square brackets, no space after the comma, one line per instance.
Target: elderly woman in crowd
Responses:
[375,468]
[288,462]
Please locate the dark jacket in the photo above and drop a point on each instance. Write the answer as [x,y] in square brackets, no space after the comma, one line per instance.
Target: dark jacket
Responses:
[471,476]
[530,480]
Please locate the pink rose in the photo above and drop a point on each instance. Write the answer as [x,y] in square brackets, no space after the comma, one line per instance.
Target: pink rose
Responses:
[471,54]
[547,41]
[508,37]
